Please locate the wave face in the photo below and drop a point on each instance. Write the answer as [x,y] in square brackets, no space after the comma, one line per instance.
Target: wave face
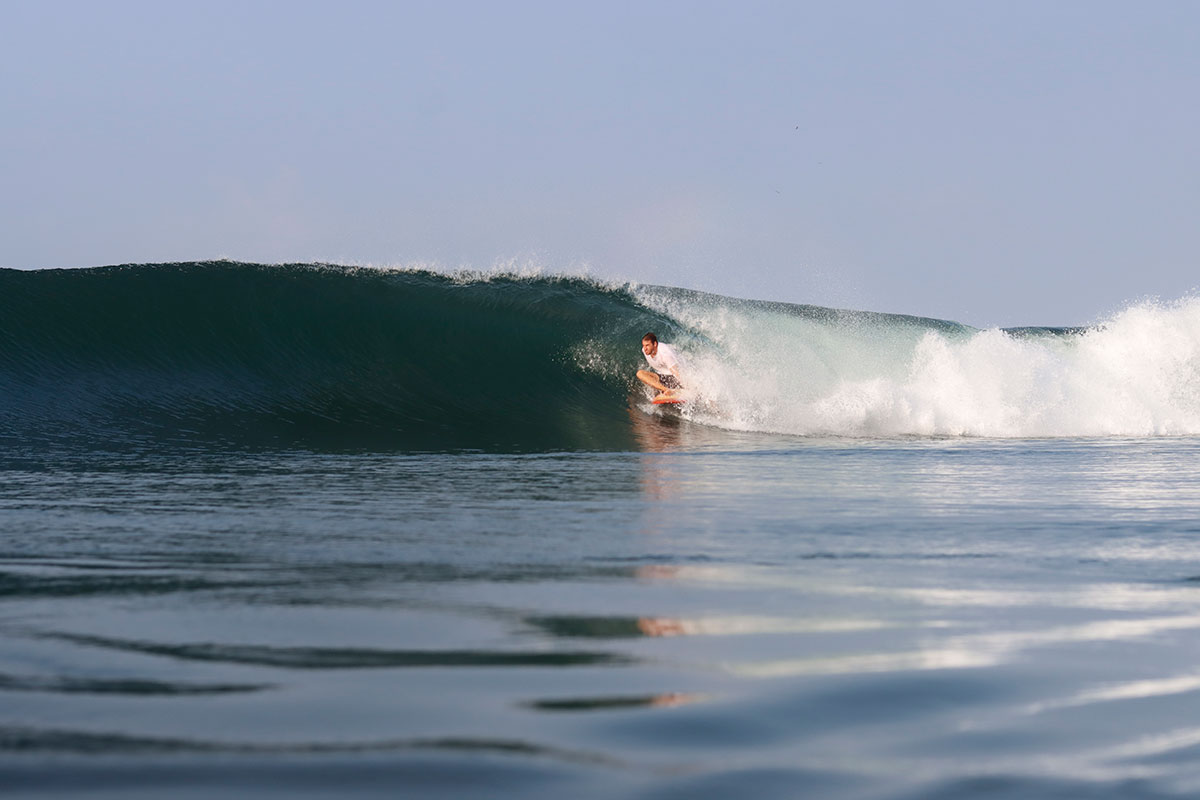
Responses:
[309,355]
[224,353]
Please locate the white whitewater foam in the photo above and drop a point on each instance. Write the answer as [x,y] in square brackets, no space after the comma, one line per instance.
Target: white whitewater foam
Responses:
[765,369]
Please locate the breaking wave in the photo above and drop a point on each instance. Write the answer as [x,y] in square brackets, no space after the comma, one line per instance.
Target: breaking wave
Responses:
[223,353]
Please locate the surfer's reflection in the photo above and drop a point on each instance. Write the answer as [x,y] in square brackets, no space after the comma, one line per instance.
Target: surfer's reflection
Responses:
[655,433]
[662,626]
[674,699]
[655,478]
[660,700]
[658,572]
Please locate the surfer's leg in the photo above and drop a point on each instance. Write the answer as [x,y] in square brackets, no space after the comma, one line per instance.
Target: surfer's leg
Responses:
[651,379]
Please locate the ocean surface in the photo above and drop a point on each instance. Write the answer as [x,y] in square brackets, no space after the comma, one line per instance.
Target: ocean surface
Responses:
[308,531]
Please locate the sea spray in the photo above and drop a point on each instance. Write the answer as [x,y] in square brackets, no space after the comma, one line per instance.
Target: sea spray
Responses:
[798,370]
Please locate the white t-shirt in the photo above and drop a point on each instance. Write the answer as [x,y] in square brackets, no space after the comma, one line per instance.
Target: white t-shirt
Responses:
[665,360]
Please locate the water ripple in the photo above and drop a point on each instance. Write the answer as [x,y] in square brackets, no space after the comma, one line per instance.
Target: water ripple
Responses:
[349,657]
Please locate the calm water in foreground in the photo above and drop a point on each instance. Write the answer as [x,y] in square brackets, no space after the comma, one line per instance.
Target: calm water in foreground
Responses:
[715,616]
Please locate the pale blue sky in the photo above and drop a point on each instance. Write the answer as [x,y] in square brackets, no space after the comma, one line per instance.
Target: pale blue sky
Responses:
[995,163]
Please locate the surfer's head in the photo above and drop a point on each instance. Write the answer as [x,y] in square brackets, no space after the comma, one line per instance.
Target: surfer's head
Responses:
[649,344]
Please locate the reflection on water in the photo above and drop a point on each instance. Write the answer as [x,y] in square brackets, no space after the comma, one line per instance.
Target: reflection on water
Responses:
[971,651]
[346,658]
[664,700]
[663,626]
[1131,690]
[656,431]
[703,617]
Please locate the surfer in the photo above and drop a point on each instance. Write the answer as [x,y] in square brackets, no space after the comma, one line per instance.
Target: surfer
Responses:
[665,363]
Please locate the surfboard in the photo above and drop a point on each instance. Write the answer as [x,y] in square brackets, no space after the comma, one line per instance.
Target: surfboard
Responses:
[659,401]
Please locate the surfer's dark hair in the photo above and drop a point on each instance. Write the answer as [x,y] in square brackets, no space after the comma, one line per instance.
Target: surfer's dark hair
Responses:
[650,337]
